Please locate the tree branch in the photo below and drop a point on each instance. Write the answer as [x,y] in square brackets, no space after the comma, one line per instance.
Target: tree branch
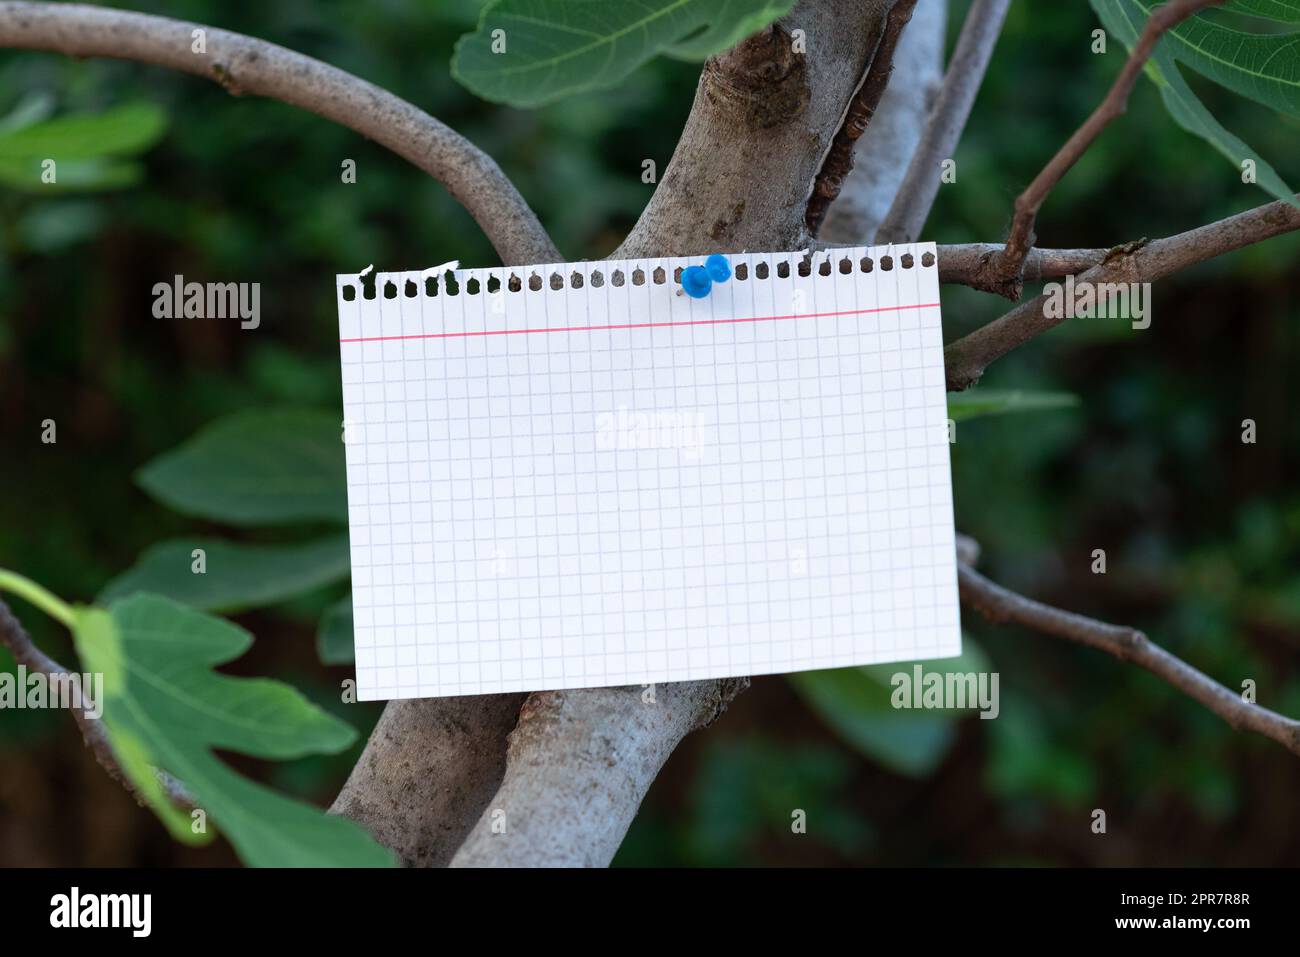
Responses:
[967,264]
[891,139]
[427,772]
[839,159]
[579,764]
[1021,236]
[763,118]
[1001,605]
[14,637]
[967,358]
[244,65]
[970,60]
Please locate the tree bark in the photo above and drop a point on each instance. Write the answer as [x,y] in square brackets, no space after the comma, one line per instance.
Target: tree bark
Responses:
[580,762]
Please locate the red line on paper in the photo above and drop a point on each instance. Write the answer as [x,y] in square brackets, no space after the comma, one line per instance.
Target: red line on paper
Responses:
[641,325]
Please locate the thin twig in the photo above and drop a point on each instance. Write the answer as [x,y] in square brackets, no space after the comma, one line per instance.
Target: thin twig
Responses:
[14,637]
[970,60]
[1021,237]
[244,65]
[966,359]
[839,158]
[1001,605]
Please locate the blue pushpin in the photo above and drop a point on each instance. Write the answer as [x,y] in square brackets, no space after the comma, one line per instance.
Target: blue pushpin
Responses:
[696,281]
[718,267]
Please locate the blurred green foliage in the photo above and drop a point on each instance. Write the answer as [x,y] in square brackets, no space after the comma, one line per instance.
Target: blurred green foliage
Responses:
[1200,530]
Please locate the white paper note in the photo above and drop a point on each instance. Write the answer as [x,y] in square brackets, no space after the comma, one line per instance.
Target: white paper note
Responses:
[571,475]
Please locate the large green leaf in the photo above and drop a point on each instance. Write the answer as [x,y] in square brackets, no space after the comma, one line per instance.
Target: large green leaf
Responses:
[556,48]
[236,576]
[979,402]
[855,702]
[1124,18]
[165,707]
[1262,66]
[256,468]
[1284,11]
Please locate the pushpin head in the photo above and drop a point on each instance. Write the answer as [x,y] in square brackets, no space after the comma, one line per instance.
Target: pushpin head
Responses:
[718,267]
[696,282]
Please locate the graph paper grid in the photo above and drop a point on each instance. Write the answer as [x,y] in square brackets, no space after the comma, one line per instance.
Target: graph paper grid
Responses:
[569,475]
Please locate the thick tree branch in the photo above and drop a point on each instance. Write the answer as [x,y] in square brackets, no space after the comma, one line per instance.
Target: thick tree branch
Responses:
[966,359]
[839,159]
[1000,606]
[764,116]
[14,637]
[970,60]
[891,139]
[427,772]
[244,65]
[579,764]
[1021,237]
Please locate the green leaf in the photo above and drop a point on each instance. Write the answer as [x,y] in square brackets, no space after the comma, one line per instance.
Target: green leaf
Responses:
[855,702]
[978,402]
[236,576]
[1284,11]
[1125,18]
[124,131]
[1264,67]
[334,636]
[256,468]
[556,48]
[165,707]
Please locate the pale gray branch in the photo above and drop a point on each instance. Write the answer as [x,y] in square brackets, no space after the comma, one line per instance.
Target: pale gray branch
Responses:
[838,161]
[244,65]
[578,766]
[970,59]
[880,159]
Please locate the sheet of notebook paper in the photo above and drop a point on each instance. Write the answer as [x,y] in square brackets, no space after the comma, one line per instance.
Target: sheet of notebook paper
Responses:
[573,476]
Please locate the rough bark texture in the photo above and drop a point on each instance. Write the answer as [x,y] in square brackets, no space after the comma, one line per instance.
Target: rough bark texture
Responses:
[571,805]
[763,120]
[426,772]
[889,142]
[580,762]
[947,120]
